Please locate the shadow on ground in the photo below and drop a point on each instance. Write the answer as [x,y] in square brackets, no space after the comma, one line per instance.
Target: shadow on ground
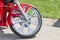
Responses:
[12,37]
[57,23]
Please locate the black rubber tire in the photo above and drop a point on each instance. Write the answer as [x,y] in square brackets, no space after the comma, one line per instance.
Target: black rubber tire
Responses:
[28,36]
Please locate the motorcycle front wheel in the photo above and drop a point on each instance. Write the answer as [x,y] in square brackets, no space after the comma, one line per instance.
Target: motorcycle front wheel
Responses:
[24,28]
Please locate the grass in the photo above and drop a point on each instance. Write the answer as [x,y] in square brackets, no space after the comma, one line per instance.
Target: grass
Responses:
[47,8]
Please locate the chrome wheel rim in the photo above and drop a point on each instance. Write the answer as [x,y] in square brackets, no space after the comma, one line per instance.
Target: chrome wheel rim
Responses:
[26,27]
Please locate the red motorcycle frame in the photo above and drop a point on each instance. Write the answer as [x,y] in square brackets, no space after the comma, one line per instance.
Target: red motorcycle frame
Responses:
[7,13]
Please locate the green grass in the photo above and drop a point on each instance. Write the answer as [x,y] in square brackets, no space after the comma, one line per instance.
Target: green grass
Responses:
[47,8]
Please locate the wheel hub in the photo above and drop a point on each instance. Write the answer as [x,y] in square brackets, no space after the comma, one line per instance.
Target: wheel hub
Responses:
[25,25]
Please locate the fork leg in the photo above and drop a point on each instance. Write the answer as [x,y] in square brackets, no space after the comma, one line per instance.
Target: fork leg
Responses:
[24,14]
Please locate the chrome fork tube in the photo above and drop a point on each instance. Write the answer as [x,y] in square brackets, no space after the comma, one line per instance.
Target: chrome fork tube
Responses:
[24,14]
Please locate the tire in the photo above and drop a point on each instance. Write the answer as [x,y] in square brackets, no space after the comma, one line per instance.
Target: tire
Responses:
[28,34]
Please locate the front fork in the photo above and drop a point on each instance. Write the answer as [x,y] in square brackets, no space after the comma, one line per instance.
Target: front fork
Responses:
[23,12]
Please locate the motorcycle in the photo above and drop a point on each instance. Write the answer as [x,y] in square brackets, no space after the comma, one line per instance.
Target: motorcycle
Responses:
[23,19]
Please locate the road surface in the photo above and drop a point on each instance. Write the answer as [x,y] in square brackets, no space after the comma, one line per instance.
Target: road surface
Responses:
[49,31]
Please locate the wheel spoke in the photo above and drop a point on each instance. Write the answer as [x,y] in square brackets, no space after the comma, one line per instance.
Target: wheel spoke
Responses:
[15,21]
[32,15]
[21,28]
[29,28]
[35,23]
